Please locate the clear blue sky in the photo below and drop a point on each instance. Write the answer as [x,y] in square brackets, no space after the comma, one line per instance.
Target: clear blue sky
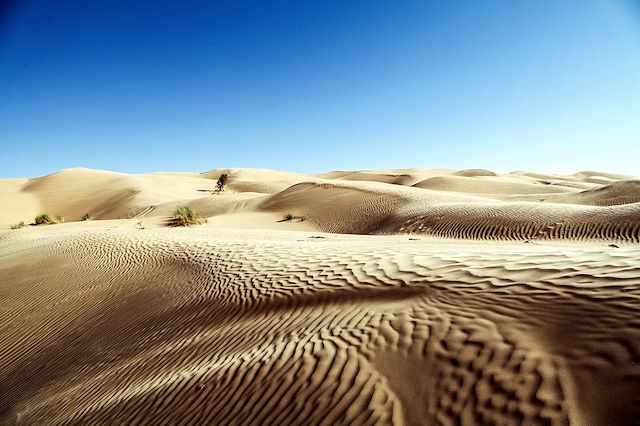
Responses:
[312,86]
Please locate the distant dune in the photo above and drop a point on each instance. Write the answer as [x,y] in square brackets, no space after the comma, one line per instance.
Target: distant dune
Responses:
[413,296]
[475,203]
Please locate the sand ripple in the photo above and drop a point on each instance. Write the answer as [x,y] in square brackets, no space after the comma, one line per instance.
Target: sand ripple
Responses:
[166,326]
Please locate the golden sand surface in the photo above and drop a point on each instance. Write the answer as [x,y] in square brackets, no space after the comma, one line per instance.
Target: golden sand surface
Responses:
[412,296]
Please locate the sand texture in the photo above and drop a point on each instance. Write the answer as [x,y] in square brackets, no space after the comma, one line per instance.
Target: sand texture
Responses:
[416,296]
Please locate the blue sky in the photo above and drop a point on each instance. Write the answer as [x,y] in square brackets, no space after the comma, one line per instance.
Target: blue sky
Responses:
[311,86]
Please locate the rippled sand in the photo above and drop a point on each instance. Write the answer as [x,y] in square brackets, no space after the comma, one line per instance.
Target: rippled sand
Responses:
[127,321]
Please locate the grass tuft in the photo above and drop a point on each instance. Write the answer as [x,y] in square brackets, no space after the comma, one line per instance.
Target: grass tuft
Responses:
[184,216]
[44,219]
[19,225]
[290,217]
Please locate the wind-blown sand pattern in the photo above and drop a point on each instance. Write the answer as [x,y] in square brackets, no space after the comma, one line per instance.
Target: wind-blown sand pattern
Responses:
[500,307]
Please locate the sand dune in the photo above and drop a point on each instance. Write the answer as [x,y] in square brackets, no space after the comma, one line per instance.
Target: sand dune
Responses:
[350,207]
[393,176]
[471,203]
[257,180]
[621,192]
[108,195]
[518,221]
[475,172]
[411,297]
[491,186]
[210,326]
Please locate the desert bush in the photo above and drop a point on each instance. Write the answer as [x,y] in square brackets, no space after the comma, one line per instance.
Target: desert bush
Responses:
[222,181]
[289,217]
[18,225]
[44,219]
[59,219]
[87,216]
[184,216]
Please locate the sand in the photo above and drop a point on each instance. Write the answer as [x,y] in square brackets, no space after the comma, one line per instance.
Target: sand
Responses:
[410,296]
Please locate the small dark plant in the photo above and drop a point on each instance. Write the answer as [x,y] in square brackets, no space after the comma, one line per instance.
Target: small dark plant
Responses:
[44,219]
[290,217]
[222,181]
[18,225]
[87,216]
[184,216]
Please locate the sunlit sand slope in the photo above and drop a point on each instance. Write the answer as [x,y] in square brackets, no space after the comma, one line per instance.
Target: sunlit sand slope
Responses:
[108,325]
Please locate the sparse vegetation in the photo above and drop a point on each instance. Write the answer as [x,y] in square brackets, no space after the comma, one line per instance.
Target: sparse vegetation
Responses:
[59,219]
[222,181]
[44,219]
[184,216]
[18,225]
[289,217]
[87,216]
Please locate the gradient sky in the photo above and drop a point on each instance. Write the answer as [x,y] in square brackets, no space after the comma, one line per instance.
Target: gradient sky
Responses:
[311,86]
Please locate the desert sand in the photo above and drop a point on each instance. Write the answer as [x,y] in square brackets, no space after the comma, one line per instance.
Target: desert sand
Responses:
[414,296]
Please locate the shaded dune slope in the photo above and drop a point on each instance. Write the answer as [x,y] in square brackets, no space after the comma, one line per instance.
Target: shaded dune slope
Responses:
[350,207]
[166,326]
[622,192]
[518,221]
[367,208]
[110,195]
